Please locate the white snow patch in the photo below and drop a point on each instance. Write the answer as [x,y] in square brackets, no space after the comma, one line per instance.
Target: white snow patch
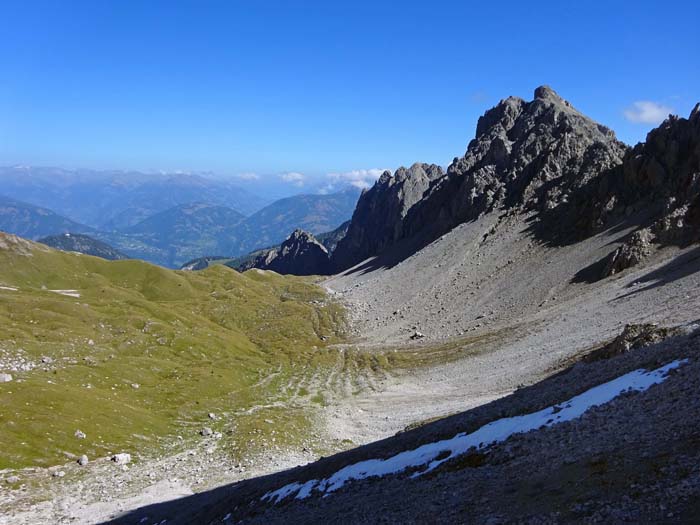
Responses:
[494,432]
[69,293]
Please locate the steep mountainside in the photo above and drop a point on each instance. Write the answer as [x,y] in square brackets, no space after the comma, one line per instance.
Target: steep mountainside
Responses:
[33,222]
[659,181]
[300,254]
[112,200]
[535,271]
[525,156]
[76,242]
[378,217]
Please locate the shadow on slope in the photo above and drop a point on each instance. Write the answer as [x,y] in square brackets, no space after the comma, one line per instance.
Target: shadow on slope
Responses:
[241,501]
[677,268]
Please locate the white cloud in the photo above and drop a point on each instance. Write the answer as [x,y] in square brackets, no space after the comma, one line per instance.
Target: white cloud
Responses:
[357,178]
[293,178]
[248,176]
[647,112]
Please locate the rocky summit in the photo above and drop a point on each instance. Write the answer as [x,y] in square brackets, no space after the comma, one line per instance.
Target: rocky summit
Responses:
[299,254]
[525,156]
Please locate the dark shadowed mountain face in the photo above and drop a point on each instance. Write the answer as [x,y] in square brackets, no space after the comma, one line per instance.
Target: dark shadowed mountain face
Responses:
[76,242]
[117,200]
[32,222]
[299,254]
[378,218]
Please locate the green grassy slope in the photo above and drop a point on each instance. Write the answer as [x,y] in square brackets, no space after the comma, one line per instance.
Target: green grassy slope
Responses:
[145,353]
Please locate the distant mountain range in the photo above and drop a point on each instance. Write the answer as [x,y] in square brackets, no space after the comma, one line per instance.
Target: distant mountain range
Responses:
[114,200]
[187,231]
[33,222]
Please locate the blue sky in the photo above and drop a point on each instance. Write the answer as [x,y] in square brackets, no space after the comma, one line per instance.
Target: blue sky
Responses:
[311,88]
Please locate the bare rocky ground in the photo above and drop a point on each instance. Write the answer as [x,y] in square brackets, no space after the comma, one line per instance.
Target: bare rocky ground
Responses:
[518,310]
[527,305]
[632,460]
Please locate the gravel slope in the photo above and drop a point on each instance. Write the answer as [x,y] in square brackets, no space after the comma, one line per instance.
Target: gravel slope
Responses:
[536,316]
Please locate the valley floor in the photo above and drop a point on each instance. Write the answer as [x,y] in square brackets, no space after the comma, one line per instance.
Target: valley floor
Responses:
[486,331]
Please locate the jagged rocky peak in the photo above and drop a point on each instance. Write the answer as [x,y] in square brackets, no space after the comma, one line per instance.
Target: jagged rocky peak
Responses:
[299,254]
[667,165]
[381,210]
[547,93]
[531,154]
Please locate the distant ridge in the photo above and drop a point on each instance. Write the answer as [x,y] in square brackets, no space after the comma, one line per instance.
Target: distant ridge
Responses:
[32,222]
[77,242]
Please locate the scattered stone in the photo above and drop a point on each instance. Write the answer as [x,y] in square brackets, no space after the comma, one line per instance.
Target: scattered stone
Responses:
[5,378]
[83,460]
[58,474]
[80,434]
[135,386]
[121,459]
[633,336]
[212,416]
[417,335]
[12,479]
[206,432]
[631,253]
[91,342]
[46,360]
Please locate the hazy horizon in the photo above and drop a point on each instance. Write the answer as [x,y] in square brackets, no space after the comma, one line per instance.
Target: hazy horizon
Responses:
[292,98]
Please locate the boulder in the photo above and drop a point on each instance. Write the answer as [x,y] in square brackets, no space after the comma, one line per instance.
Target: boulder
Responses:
[121,459]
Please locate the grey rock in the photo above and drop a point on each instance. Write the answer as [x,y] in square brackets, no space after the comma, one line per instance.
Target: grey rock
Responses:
[300,254]
[121,459]
[659,179]
[5,378]
[377,222]
[83,460]
[80,434]
[206,432]
[631,253]
[526,156]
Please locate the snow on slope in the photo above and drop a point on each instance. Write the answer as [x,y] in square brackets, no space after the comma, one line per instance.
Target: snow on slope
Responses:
[432,455]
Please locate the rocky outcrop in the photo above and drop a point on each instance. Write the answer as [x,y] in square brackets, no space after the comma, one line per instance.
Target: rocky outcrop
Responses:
[525,156]
[300,254]
[660,180]
[631,253]
[633,336]
[546,157]
[378,220]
